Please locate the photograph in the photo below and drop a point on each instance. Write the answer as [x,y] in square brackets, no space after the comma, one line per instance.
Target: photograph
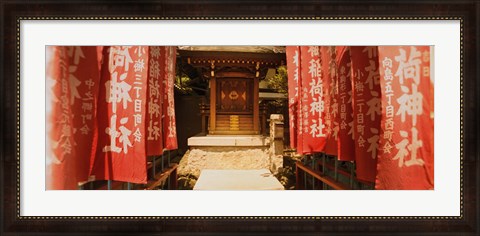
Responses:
[215,106]
[259,117]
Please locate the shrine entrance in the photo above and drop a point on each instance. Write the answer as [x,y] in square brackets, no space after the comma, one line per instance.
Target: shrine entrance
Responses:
[234,146]
[233,105]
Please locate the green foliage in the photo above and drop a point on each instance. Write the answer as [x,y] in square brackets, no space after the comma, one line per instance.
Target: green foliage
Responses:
[182,82]
[186,182]
[279,82]
[286,174]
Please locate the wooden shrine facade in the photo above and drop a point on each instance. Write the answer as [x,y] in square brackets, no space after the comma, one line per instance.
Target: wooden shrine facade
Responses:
[233,95]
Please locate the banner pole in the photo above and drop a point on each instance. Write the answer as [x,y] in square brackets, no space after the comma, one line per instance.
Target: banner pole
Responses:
[336,168]
[168,161]
[324,157]
[163,153]
[313,168]
[109,184]
[351,173]
[153,167]
[305,175]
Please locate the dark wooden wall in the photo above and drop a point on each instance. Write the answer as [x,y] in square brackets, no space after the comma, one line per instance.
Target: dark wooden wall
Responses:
[188,117]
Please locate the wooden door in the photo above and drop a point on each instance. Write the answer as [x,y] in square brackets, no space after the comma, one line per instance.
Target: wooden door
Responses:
[234,96]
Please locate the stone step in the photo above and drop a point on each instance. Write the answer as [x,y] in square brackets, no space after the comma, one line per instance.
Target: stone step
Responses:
[235,119]
[238,124]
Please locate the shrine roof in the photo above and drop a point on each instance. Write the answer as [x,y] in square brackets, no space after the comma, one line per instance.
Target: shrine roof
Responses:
[253,49]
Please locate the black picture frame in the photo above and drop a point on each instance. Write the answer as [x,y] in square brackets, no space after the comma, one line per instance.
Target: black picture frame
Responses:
[466,11]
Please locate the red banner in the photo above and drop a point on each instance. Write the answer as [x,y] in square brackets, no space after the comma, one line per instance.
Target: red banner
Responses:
[298,111]
[99,57]
[61,172]
[329,73]
[84,78]
[312,104]
[155,96]
[169,123]
[293,69]
[406,156]
[346,144]
[120,154]
[366,109]
[73,75]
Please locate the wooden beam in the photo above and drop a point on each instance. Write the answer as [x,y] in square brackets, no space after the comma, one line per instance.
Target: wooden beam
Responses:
[343,172]
[220,75]
[236,132]
[298,178]
[116,185]
[235,74]
[317,175]
[160,178]
[232,56]
[256,115]
[213,104]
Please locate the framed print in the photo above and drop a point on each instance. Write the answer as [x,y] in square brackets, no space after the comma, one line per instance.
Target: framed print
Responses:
[213,107]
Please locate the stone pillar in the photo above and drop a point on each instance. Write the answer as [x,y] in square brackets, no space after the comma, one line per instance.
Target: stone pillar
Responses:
[276,142]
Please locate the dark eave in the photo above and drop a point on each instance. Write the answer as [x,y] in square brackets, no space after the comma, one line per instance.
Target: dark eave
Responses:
[222,58]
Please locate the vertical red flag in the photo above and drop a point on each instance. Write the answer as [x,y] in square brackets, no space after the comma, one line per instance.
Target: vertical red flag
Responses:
[155,96]
[169,123]
[72,72]
[298,111]
[84,79]
[346,144]
[406,156]
[99,57]
[312,107]
[293,69]
[120,152]
[61,172]
[331,93]
[367,110]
